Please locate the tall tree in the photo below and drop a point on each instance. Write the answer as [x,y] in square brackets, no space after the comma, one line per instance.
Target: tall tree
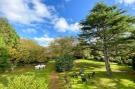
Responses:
[8,38]
[103,26]
[8,35]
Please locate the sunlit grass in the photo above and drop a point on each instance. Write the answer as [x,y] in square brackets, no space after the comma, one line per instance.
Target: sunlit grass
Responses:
[123,77]
[28,71]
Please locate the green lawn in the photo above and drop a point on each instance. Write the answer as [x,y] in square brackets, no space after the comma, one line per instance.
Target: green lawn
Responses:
[123,77]
[28,71]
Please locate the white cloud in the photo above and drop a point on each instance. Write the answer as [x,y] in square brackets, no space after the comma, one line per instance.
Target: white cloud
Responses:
[21,12]
[62,25]
[41,9]
[30,31]
[128,2]
[44,41]
[74,27]
[30,11]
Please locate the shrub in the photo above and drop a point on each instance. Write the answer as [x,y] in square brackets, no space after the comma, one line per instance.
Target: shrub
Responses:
[4,59]
[26,82]
[64,63]
[133,63]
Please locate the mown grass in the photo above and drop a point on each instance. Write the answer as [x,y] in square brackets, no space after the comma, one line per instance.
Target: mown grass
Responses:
[123,77]
[43,75]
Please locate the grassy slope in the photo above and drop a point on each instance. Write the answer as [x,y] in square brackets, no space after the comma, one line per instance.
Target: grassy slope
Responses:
[29,71]
[123,77]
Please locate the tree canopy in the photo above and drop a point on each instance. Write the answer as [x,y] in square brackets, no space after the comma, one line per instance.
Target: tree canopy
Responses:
[8,38]
[104,26]
[8,35]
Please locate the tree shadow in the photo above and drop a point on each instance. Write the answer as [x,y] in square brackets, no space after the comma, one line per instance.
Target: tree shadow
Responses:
[117,81]
[121,79]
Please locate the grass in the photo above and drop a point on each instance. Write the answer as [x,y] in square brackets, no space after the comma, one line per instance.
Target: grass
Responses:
[28,71]
[123,77]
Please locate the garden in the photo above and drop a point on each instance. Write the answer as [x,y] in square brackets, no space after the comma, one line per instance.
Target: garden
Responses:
[101,56]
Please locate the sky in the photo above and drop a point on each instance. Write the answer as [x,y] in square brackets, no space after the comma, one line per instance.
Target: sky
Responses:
[46,20]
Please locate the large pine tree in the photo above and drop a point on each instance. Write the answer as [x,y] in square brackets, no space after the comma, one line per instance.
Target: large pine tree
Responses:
[104,26]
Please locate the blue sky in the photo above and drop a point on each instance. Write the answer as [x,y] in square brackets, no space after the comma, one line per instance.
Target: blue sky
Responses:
[46,20]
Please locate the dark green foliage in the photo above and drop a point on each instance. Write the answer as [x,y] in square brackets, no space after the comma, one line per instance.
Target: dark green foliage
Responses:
[4,59]
[78,52]
[64,63]
[133,63]
[105,27]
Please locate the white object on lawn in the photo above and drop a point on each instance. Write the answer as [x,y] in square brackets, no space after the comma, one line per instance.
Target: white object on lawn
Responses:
[37,67]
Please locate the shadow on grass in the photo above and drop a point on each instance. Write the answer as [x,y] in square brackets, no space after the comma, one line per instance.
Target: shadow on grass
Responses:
[121,79]
[87,65]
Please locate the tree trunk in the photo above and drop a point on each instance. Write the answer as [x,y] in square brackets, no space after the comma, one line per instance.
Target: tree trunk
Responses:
[106,59]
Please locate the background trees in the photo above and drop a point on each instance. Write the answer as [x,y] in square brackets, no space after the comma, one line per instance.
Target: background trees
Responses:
[8,38]
[18,54]
[104,27]
[8,35]
[14,50]
[28,51]
[62,50]
[62,46]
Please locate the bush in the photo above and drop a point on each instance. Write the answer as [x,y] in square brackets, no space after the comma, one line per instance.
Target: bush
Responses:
[133,63]
[26,82]
[64,63]
[4,59]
